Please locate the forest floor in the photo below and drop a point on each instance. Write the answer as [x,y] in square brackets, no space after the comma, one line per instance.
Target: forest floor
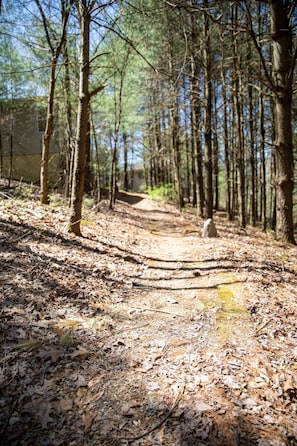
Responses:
[141,332]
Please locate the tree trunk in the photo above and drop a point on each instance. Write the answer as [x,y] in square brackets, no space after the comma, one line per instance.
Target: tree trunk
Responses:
[261,124]
[177,166]
[1,155]
[197,166]
[226,136]
[216,169]
[82,121]
[55,47]
[173,102]
[113,177]
[126,167]
[237,95]
[49,126]
[207,120]
[252,160]
[97,195]
[69,149]
[263,164]
[281,35]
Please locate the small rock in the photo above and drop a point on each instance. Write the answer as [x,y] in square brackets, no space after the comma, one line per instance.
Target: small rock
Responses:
[209,229]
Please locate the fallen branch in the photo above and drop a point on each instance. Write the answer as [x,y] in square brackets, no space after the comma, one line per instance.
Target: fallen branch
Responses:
[262,326]
[160,311]
[15,240]
[168,415]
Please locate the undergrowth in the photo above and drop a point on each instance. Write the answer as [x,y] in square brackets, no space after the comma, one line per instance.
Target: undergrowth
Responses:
[164,192]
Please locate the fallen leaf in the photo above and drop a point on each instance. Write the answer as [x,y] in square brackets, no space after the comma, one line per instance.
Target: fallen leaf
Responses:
[81,381]
[64,405]
[146,366]
[129,409]
[88,419]
[44,410]
[80,352]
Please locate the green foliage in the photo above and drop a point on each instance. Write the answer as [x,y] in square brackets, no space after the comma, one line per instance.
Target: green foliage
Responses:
[164,192]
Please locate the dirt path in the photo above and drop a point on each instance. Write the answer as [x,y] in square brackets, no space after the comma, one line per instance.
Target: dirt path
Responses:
[197,357]
[144,333]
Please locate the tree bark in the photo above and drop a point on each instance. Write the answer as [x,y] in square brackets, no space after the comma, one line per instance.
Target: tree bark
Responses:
[49,126]
[69,140]
[126,167]
[237,97]
[197,165]
[226,135]
[82,121]
[216,157]
[281,35]
[207,120]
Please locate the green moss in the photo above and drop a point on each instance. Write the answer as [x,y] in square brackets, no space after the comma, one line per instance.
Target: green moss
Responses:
[230,300]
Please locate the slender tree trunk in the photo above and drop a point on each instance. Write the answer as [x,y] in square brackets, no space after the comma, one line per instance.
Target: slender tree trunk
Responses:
[196,150]
[97,168]
[82,122]
[207,120]
[69,150]
[10,151]
[188,168]
[88,170]
[49,126]
[251,141]
[174,114]
[273,194]
[262,164]
[216,157]
[1,155]
[113,177]
[175,144]
[126,173]
[237,94]
[226,136]
[252,157]
[281,34]
[261,124]
[118,111]
[55,48]
[233,156]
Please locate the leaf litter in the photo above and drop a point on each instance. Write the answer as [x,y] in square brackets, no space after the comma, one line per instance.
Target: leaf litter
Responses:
[142,332]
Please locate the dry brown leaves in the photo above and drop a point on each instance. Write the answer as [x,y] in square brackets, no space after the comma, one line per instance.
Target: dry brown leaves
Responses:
[143,333]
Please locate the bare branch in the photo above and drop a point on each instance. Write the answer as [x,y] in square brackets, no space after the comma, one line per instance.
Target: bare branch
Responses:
[259,50]
[129,42]
[97,90]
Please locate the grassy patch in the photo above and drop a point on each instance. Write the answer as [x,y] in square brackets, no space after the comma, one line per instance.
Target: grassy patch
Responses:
[165,192]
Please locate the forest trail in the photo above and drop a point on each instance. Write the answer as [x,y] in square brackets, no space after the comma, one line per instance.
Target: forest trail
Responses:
[142,332]
[185,277]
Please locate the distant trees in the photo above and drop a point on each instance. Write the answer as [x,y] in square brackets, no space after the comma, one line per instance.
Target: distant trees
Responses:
[233,112]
